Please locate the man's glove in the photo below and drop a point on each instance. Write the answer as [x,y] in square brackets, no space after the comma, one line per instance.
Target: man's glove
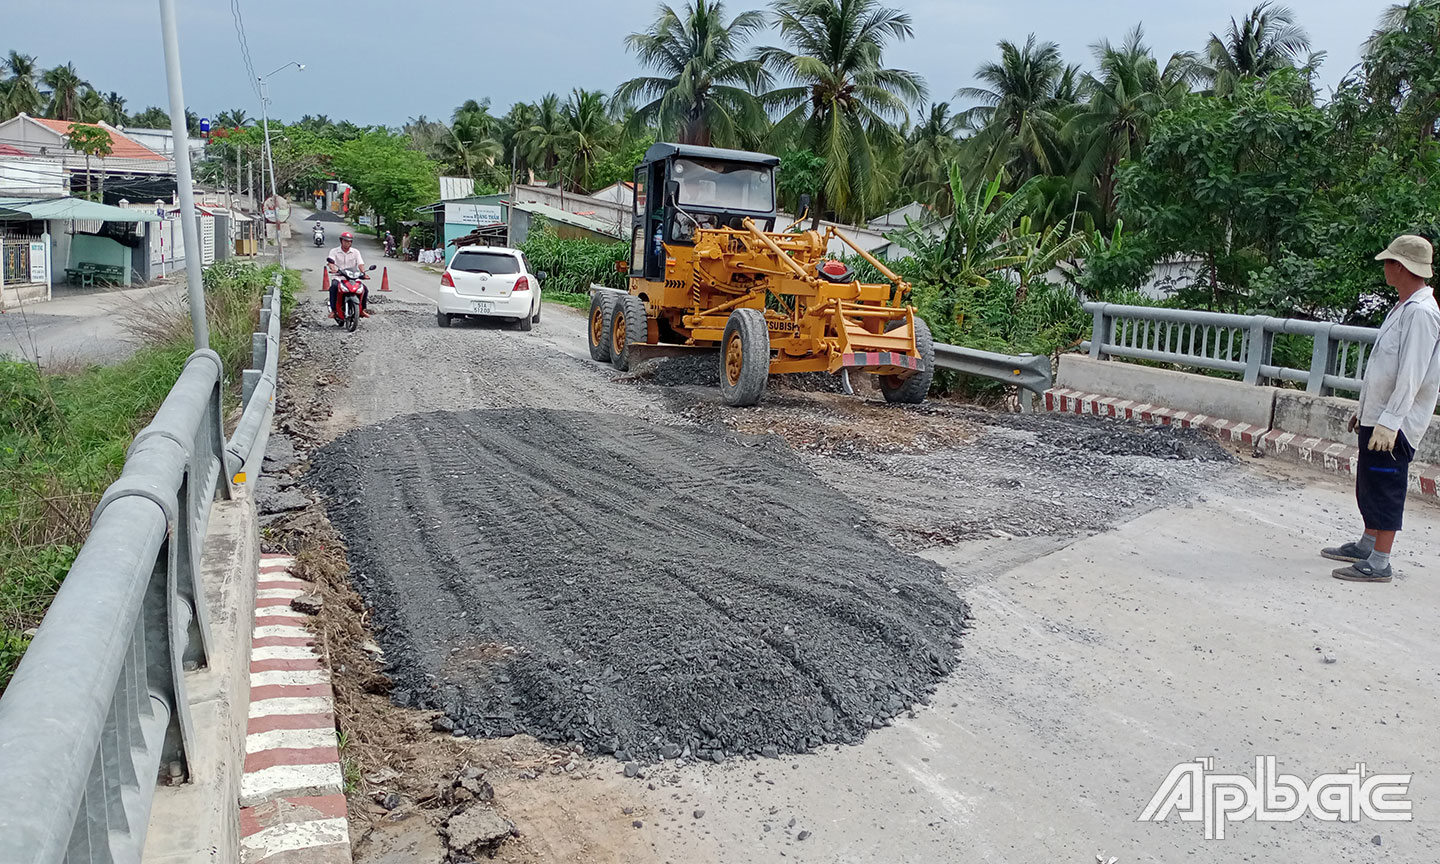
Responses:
[1353,424]
[1383,439]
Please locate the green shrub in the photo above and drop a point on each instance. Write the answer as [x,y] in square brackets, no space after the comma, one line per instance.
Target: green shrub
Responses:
[573,265]
[63,437]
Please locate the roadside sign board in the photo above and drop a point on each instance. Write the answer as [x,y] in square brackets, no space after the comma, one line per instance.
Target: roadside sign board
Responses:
[277,210]
[472,214]
[37,261]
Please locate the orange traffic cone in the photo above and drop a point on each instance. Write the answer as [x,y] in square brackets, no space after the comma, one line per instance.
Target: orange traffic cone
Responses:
[385,279]
[325,278]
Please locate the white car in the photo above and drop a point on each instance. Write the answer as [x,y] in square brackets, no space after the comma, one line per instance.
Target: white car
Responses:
[489,282]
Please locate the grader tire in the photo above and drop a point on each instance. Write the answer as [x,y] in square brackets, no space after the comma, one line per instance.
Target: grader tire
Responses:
[744,358]
[597,328]
[912,390]
[628,327]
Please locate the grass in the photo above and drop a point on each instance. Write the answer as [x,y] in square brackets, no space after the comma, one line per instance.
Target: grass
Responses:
[579,301]
[63,437]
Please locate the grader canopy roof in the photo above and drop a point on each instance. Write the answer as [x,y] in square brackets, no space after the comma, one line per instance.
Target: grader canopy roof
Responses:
[662,151]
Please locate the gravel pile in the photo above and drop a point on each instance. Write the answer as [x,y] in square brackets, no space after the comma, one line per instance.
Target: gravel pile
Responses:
[645,590]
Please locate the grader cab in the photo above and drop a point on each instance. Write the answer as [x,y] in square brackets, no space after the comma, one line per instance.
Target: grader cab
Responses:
[711,269]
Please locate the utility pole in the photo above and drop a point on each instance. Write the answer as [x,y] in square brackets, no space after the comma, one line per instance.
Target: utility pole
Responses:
[510,207]
[181,133]
[260,202]
[270,151]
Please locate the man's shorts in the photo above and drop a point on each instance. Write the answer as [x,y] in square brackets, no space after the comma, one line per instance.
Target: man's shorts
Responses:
[1381,480]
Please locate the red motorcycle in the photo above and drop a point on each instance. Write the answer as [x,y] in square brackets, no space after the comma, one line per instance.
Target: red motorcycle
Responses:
[347,299]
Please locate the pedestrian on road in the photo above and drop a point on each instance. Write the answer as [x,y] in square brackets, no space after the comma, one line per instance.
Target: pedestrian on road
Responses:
[346,257]
[1397,402]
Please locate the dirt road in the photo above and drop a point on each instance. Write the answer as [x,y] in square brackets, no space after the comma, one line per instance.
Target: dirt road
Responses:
[1138,601]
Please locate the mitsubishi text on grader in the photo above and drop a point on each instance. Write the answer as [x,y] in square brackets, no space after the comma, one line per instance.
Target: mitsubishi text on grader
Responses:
[709,268]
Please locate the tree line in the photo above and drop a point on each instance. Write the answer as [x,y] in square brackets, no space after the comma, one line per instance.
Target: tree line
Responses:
[1225,158]
[59,93]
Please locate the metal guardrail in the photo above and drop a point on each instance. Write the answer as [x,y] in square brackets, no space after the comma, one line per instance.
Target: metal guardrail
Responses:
[245,452]
[97,712]
[1241,344]
[1029,372]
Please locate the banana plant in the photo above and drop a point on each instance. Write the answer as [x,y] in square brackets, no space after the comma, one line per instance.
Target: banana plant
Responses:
[979,240]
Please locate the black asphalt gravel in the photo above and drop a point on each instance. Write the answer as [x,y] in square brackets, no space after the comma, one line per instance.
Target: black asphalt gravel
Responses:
[648,589]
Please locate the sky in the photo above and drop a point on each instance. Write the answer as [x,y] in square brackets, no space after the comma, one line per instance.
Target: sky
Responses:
[378,62]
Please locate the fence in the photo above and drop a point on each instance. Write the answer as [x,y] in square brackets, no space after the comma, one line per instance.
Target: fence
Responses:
[97,713]
[1242,344]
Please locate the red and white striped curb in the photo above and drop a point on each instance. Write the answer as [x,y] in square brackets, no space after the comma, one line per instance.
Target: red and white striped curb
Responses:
[1076,402]
[1322,453]
[292,802]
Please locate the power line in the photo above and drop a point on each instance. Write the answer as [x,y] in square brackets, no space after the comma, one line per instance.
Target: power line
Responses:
[244,46]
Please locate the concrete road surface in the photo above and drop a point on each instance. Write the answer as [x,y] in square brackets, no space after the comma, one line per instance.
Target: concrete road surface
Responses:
[1199,623]
[79,326]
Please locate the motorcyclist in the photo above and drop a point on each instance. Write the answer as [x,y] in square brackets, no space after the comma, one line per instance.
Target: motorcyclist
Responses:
[346,257]
[319,233]
[389,245]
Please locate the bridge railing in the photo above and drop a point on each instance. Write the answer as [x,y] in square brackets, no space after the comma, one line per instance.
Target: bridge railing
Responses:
[246,449]
[1241,344]
[97,712]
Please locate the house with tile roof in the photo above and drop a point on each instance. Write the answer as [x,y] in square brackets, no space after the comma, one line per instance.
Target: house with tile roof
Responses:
[131,170]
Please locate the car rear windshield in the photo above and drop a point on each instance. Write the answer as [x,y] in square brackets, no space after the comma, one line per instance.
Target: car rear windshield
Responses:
[494,263]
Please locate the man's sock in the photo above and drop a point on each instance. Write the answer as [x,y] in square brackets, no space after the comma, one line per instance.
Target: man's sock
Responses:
[1366,543]
[1379,560]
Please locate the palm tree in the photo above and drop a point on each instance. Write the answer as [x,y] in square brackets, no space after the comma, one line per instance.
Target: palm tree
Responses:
[22,96]
[468,144]
[151,118]
[931,147]
[587,135]
[1018,115]
[514,127]
[1398,57]
[544,140]
[1126,93]
[842,100]
[703,92]
[115,109]
[235,118]
[1265,41]
[65,86]
[475,116]
[91,106]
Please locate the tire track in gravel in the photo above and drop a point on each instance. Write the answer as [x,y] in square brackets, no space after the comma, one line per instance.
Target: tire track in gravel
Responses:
[684,591]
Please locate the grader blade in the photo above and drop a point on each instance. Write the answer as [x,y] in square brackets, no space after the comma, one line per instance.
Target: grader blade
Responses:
[876,339]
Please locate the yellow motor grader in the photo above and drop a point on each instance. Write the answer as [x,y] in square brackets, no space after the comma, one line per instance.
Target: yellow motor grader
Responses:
[709,268]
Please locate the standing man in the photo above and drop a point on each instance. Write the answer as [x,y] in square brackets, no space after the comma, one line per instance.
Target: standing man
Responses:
[346,257]
[1397,401]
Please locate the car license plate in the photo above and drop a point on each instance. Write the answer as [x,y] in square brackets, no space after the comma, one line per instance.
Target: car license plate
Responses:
[482,306]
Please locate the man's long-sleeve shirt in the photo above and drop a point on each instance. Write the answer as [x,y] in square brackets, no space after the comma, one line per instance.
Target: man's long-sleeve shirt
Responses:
[1402,374]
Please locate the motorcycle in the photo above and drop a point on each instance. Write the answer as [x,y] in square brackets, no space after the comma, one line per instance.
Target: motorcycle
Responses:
[319,236]
[347,299]
[389,248]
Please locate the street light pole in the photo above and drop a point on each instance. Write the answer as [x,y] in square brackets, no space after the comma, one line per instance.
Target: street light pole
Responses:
[269,151]
[178,129]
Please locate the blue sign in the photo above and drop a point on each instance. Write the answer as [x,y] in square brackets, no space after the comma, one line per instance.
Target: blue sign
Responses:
[204,125]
